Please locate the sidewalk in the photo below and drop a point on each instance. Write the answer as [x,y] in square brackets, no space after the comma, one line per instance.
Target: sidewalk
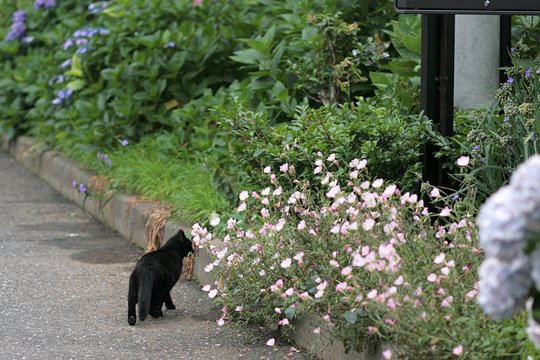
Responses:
[63,289]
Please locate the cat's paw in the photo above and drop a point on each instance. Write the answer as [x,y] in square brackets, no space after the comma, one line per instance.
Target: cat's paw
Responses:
[170,306]
[132,320]
[156,313]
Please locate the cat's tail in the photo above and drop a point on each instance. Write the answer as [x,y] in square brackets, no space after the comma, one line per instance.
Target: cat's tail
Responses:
[146,281]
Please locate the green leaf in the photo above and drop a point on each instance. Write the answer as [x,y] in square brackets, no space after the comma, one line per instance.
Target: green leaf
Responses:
[290,312]
[350,317]
[76,85]
[76,67]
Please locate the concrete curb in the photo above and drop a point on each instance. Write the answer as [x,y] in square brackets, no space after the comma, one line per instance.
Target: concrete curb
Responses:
[128,218]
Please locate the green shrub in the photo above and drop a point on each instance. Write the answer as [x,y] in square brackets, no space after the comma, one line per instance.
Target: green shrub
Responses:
[367,129]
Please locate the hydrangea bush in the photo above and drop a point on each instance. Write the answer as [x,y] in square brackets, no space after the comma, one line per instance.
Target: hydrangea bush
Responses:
[372,262]
[509,225]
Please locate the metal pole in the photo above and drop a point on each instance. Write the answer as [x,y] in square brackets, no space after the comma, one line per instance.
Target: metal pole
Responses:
[505,45]
[437,89]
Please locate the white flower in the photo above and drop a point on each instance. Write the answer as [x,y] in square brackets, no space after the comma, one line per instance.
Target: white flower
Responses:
[243,195]
[377,183]
[463,161]
[267,170]
[286,263]
[206,288]
[214,220]
[332,157]
[503,286]
[212,294]
[534,328]
[368,224]
[271,342]
[435,193]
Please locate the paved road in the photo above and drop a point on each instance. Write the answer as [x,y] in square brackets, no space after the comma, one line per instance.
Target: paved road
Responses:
[63,289]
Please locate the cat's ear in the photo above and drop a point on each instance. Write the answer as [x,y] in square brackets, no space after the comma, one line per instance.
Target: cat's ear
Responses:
[182,234]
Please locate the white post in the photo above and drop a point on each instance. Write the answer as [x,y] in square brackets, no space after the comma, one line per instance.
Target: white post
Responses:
[476,60]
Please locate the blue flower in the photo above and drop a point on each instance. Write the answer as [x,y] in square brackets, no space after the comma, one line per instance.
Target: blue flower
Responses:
[82,188]
[510,80]
[124,142]
[528,73]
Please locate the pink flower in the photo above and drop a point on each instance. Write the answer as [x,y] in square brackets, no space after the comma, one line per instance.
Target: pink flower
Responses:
[304,296]
[333,192]
[197,2]
[301,225]
[206,288]
[317,330]
[271,342]
[242,207]
[284,321]
[265,213]
[368,224]
[387,354]
[458,350]
[284,168]
[372,294]
[346,270]
[334,263]
[212,294]
[391,303]
[278,191]
[399,280]
[332,157]
[463,161]
[435,193]
[286,263]
[446,211]
[432,277]
[447,301]
[341,287]
[221,322]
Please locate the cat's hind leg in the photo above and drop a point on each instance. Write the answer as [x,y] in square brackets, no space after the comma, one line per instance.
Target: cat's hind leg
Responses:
[132,299]
[168,302]
[156,304]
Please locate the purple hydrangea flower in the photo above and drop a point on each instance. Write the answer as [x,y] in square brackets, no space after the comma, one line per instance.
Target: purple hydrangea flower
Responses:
[97,7]
[45,4]
[17,30]
[66,63]
[170,44]
[62,96]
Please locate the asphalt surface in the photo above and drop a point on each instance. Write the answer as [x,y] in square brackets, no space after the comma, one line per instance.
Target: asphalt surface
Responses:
[63,289]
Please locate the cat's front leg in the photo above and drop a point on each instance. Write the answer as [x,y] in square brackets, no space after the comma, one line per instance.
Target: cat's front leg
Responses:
[168,302]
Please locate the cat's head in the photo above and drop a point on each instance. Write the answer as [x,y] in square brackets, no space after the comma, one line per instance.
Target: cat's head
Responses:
[186,246]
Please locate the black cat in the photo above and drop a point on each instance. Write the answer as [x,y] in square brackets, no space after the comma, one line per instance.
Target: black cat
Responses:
[154,276]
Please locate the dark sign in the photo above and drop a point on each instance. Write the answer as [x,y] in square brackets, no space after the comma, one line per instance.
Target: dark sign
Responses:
[494,7]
